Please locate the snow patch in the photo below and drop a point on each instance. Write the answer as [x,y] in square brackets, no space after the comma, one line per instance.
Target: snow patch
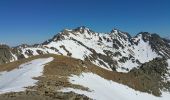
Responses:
[17,79]
[168,61]
[102,89]
[168,76]
[143,51]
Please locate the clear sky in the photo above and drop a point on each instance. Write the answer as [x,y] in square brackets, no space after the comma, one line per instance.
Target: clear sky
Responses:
[33,21]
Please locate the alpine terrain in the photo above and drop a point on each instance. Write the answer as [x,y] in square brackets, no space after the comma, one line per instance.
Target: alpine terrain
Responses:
[81,64]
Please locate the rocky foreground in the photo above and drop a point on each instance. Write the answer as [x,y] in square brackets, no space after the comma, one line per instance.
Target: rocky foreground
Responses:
[57,74]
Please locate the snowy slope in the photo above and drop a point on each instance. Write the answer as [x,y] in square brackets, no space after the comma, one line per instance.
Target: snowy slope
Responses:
[17,79]
[73,47]
[115,50]
[102,89]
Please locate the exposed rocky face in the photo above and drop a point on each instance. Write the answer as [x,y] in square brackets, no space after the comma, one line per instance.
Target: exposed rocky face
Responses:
[5,54]
[116,50]
[154,76]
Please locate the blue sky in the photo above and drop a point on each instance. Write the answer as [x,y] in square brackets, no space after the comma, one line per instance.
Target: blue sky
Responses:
[33,21]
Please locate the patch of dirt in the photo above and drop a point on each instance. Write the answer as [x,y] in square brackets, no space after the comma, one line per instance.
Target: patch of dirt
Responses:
[34,95]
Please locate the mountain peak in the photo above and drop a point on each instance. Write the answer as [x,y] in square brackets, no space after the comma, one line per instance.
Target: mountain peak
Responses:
[122,34]
[82,29]
[144,34]
[114,30]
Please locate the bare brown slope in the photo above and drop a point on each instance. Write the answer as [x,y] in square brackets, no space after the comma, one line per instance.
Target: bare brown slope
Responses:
[56,75]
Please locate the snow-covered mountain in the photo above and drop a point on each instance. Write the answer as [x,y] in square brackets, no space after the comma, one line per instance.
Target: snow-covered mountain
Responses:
[144,60]
[115,50]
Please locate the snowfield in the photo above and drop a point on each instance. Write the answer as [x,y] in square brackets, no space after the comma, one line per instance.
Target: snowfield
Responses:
[73,47]
[17,79]
[102,89]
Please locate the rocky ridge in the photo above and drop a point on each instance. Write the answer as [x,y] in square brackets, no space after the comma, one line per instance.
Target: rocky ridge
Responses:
[116,50]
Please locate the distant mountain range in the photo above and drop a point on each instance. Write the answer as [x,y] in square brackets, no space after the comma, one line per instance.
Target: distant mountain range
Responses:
[116,50]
